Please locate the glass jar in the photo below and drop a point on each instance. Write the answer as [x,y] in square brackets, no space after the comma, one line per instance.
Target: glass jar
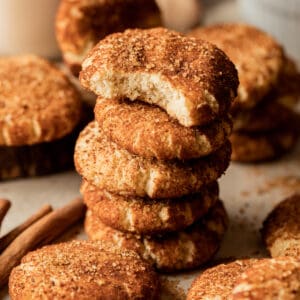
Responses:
[27,26]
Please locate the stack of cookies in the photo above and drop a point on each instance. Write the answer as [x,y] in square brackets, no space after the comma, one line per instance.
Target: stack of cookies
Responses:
[151,159]
[265,119]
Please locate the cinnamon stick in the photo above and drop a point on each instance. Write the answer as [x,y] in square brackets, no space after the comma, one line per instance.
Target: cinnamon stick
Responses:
[10,236]
[4,207]
[38,234]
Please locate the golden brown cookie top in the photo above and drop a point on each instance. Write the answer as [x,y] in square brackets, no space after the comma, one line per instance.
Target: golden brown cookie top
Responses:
[80,24]
[281,229]
[148,131]
[37,101]
[217,282]
[257,56]
[83,270]
[277,278]
[192,80]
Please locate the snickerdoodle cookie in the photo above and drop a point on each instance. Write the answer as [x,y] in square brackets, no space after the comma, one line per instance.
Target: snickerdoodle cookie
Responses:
[83,270]
[37,101]
[257,56]
[80,24]
[107,166]
[148,131]
[217,282]
[269,279]
[281,229]
[174,251]
[40,117]
[262,146]
[148,216]
[192,80]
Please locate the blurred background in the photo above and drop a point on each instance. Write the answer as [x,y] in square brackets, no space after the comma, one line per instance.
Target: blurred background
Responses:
[27,26]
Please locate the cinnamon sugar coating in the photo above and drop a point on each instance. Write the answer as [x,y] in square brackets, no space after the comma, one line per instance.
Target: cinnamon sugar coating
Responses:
[269,279]
[80,24]
[217,282]
[257,56]
[186,249]
[83,270]
[37,101]
[148,216]
[192,80]
[281,229]
[107,166]
[148,131]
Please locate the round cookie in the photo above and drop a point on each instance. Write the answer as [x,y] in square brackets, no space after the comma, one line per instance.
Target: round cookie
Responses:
[173,252]
[40,118]
[37,102]
[148,131]
[80,24]
[192,80]
[107,166]
[148,216]
[258,147]
[277,278]
[83,270]
[281,229]
[217,282]
[257,56]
